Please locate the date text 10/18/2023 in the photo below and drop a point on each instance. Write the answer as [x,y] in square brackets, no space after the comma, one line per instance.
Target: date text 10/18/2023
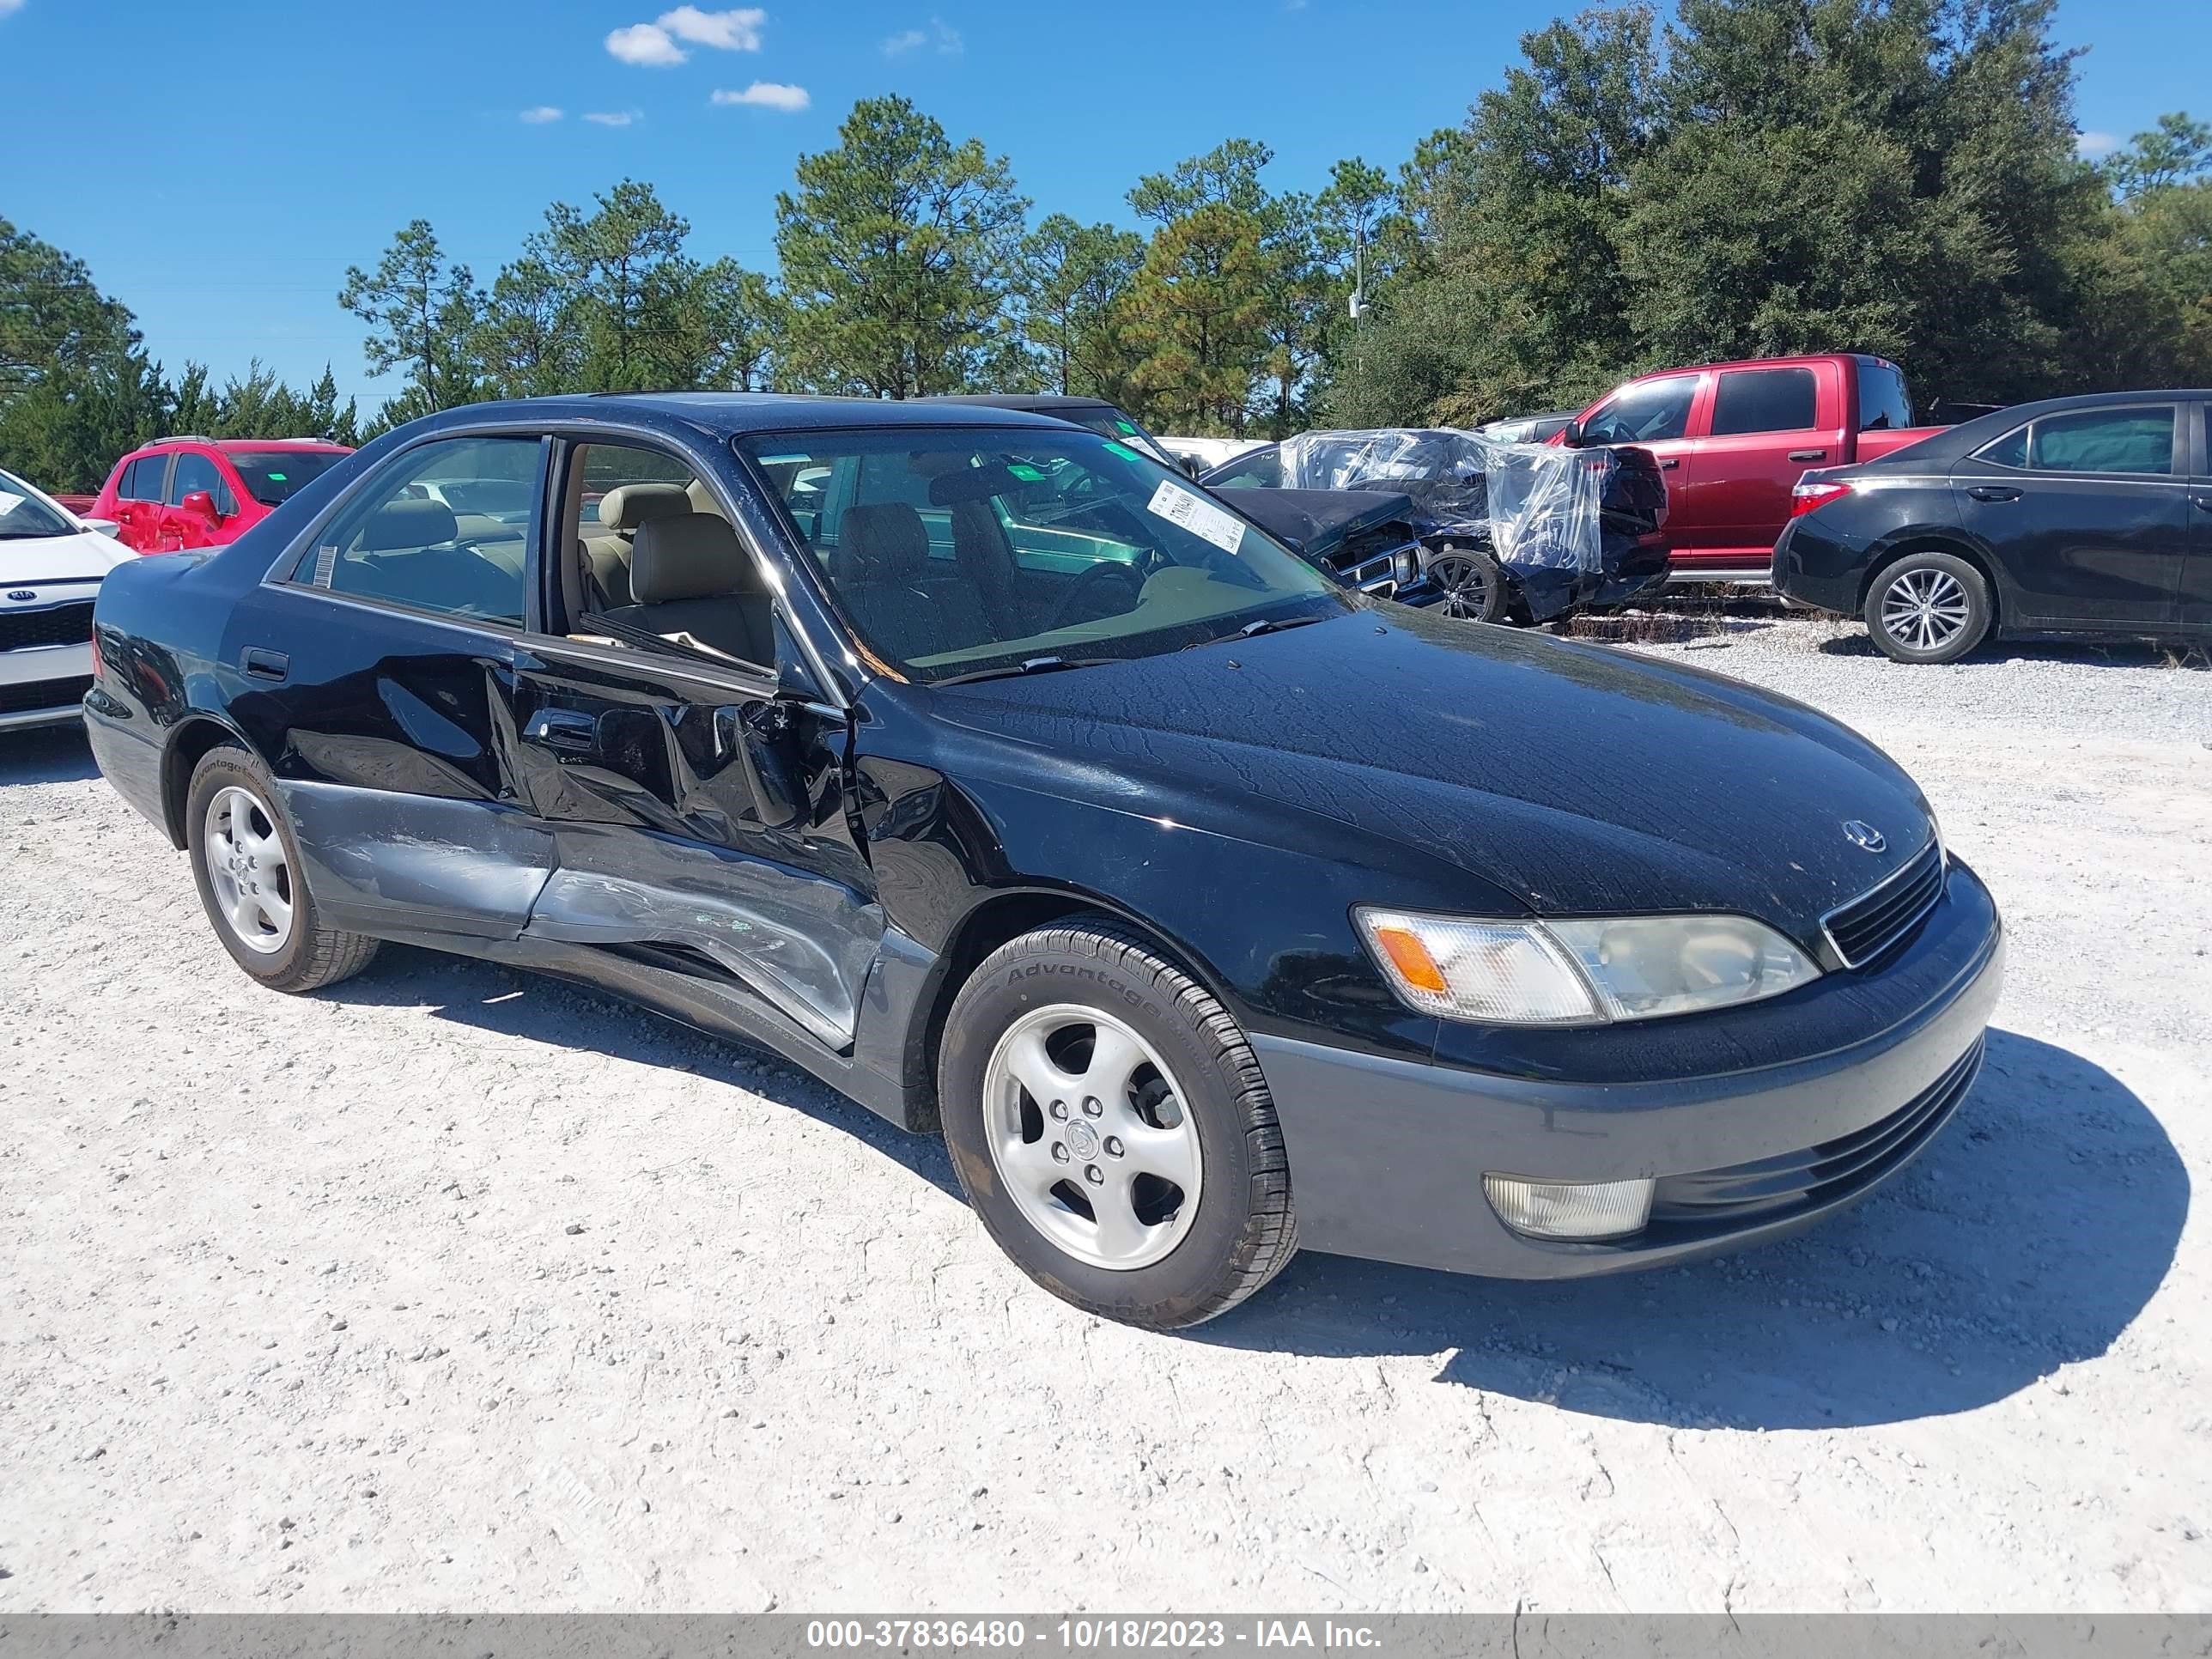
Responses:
[1088,1635]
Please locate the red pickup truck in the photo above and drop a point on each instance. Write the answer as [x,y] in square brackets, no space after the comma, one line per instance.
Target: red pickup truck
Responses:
[1733,439]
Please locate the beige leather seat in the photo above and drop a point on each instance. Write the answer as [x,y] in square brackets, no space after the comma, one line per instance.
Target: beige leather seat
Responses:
[608,550]
[692,578]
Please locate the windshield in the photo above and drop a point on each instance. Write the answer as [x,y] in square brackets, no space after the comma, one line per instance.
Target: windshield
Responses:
[953,552]
[23,515]
[1109,422]
[270,478]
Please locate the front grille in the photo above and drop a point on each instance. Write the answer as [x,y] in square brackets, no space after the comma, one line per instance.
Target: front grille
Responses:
[1372,560]
[43,693]
[52,625]
[1819,1175]
[1876,919]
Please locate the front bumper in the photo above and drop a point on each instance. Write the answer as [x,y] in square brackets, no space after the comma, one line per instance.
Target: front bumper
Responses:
[43,685]
[1388,1156]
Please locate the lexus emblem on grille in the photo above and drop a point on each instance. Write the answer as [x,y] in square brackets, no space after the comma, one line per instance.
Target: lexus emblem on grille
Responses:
[19,594]
[1862,834]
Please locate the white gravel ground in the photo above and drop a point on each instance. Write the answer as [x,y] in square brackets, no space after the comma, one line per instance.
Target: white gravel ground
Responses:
[452,1289]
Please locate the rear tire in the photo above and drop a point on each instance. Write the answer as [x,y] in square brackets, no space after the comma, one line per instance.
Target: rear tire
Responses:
[1927,608]
[1110,1126]
[246,865]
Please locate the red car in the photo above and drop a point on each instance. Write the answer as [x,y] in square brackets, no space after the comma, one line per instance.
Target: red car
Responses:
[177,493]
[1733,439]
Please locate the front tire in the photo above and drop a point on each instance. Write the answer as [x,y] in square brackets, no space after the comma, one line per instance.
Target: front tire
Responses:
[1927,608]
[1472,586]
[246,865]
[1110,1126]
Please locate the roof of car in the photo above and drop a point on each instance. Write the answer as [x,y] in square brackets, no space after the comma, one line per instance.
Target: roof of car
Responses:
[1947,443]
[241,446]
[1042,403]
[731,414]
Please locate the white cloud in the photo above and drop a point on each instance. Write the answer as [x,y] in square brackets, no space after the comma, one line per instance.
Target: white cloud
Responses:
[654,45]
[646,43]
[940,34]
[9,6]
[537,117]
[616,118]
[726,31]
[2095,146]
[767,95]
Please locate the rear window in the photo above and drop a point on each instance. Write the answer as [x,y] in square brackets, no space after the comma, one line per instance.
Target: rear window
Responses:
[1884,404]
[1766,400]
[274,477]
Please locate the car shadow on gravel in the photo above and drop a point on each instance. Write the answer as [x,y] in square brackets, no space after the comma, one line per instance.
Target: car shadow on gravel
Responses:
[55,754]
[2028,1237]
[539,1009]
[2111,654]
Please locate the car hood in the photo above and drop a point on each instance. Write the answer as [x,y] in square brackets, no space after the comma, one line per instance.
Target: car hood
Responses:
[1576,779]
[85,555]
[1319,520]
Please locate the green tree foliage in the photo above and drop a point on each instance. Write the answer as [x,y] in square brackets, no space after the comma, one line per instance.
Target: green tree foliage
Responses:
[422,315]
[1197,310]
[897,249]
[1768,176]
[1074,283]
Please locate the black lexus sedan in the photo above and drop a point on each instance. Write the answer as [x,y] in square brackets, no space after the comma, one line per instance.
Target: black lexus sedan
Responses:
[2088,515]
[807,722]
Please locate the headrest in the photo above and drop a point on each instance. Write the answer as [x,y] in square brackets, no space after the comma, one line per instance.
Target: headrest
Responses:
[703,498]
[885,541]
[690,557]
[972,484]
[627,506]
[408,524]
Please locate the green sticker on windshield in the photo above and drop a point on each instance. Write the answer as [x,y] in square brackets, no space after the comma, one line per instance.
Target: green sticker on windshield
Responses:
[1122,450]
[277,477]
[1027,474]
[1129,427]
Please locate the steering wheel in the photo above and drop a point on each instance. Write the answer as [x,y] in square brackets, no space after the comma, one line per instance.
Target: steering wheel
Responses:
[1093,583]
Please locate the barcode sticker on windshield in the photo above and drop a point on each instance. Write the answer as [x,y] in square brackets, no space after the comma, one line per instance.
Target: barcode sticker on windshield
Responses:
[9,503]
[1198,515]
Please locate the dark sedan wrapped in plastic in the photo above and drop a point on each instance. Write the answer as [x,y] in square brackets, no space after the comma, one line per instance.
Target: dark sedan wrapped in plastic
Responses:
[1520,532]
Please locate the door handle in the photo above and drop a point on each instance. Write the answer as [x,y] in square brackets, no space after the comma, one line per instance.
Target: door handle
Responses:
[1670,464]
[566,730]
[1993,493]
[2204,502]
[1808,455]
[264,665]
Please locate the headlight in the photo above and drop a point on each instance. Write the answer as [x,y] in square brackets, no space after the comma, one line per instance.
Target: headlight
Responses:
[1583,971]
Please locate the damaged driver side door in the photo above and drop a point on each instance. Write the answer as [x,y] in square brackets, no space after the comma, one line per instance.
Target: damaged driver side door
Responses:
[696,799]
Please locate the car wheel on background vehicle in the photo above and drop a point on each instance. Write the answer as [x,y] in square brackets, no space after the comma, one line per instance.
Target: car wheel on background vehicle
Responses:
[245,862]
[1471,583]
[1110,1126]
[1928,607]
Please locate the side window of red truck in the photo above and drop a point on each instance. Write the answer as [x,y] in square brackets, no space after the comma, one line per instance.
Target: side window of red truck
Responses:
[1649,411]
[1766,400]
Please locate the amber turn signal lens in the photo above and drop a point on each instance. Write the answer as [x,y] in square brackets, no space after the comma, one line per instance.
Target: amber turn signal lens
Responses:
[1412,959]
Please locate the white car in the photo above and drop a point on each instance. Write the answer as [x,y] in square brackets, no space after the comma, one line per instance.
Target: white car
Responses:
[50,566]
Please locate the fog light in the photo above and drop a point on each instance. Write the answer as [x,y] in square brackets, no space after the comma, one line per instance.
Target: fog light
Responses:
[1566,1209]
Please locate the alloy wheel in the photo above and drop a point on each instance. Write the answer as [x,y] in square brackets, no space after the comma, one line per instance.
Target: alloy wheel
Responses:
[1088,1131]
[248,870]
[1465,585]
[1925,609]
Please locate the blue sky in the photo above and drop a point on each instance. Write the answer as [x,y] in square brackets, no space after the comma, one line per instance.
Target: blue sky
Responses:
[219,165]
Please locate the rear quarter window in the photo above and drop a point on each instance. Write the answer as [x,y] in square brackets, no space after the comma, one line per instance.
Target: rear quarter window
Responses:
[1766,400]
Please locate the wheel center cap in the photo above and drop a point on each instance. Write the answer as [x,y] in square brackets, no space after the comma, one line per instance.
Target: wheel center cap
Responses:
[1082,1140]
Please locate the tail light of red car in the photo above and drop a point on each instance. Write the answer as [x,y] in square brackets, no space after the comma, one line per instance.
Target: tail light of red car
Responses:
[1812,497]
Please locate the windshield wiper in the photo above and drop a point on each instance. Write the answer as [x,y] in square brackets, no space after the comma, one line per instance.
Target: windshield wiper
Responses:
[1272,625]
[1030,665]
